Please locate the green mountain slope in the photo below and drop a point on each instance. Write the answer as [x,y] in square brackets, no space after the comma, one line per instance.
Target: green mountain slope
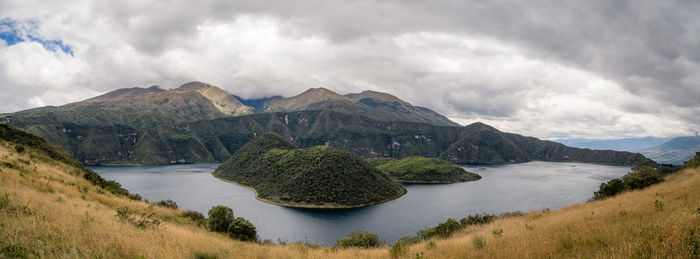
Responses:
[316,177]
[215,140]
[418,169]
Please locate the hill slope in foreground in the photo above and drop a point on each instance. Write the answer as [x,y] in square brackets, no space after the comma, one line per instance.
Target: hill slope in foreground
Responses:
[47,211]
[315,177]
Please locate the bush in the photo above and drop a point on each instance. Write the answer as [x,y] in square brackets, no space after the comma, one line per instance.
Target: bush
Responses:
[478,242]
[19,148]
[167,204]
[359,238]
[220,218]
[399,249]
[641,177]
[195,216]
[144,221]
[611,188]
[478,219]
[441,230]
[693,162]
[243,230]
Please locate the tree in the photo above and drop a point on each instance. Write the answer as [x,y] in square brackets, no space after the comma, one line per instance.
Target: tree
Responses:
[242,229]
[641,177]
[220,218]
[611,188]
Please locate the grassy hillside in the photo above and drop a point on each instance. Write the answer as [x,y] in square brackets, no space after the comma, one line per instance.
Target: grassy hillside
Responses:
[48,211]
[418,169]
[316,177]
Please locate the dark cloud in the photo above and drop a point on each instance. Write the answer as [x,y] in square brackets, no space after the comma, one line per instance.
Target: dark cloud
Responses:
[606,67]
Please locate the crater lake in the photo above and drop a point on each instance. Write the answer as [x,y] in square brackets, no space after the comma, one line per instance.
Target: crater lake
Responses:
[529,186]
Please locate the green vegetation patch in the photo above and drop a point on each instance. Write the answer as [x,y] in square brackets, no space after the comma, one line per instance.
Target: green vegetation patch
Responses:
[418,169]
[312,177]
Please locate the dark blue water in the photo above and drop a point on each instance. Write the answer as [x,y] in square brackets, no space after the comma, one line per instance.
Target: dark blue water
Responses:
[528,186]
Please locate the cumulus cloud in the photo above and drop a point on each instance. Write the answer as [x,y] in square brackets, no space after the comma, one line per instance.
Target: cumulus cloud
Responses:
[546,68]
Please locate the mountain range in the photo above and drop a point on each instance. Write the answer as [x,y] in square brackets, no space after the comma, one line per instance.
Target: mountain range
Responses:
[667,150]
[675,151]
[197,122]
[623,144]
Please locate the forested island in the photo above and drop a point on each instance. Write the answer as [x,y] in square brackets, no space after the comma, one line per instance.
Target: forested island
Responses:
[315,177]
[418,169]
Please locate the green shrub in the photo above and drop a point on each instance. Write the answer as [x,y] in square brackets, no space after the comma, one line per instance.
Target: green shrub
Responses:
[399,249]
[444,229]
[220,218]
[203,255]
[19,148]
[195,216]
[497,232]
[478,242]
[144,221]
[167,204]
[14,251]
[641,177]
[409,240]
[359,238]
[693,162]
[243,230]
[611,188]
[430,245]
[478,219]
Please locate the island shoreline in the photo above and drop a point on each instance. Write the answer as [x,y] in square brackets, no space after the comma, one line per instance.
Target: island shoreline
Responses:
[300,206]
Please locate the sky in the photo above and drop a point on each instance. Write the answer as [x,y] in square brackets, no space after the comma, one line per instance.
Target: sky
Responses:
[544,68]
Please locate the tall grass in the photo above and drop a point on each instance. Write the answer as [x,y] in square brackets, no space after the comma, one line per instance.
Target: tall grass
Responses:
[61,223]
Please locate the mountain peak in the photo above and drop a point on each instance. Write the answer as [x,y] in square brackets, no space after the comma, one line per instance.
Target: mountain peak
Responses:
[385,97]
[320,92]
[480,126]
[194,85]
[127,93]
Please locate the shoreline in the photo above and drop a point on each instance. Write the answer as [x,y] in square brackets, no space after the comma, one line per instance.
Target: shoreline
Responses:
[309,206]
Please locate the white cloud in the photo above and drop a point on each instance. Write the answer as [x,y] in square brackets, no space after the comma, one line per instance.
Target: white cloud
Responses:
[547,75]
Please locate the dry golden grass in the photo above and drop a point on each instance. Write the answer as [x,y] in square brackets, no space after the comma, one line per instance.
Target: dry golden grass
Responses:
[49,214]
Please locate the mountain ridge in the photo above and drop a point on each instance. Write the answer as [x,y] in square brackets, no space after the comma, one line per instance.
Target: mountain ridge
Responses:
[675,151]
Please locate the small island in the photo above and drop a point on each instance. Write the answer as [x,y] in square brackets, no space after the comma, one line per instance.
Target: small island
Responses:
[417,169]
[315,177]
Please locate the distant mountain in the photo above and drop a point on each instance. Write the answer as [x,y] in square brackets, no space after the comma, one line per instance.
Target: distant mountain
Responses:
[675,151]
[141,107]
[375,105]
[197,122]
[394,106]
[217,139]
[314,177]
[624,144]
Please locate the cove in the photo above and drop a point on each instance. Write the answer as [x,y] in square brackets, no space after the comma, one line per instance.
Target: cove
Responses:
[526,186]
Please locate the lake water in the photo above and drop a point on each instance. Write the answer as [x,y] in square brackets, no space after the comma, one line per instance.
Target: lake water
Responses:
[527,186]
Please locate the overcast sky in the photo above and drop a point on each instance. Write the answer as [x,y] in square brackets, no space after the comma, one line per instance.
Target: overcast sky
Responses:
[550,69]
